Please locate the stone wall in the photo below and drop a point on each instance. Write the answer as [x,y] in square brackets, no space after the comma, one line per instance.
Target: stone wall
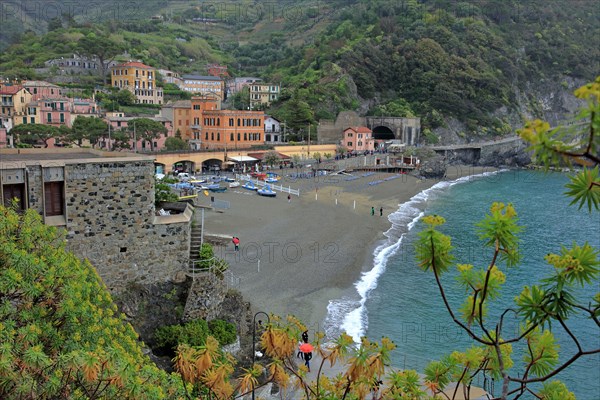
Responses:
[109,217]
[111,221]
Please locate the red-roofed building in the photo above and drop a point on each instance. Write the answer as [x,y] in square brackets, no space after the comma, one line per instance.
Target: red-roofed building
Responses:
[13,104]
[138,78]
[358,138]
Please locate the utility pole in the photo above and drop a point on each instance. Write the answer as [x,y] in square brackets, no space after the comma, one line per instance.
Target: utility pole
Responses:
[308,155]
[134,139]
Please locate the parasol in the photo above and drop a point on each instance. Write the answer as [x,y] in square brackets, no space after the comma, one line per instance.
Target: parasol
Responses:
[306,348]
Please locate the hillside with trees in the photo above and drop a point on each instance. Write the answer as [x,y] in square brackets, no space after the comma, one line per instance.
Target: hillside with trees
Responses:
[485,64]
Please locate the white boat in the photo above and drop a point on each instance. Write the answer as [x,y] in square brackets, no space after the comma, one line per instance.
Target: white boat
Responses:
[266,191]
[234,184]
[250,186]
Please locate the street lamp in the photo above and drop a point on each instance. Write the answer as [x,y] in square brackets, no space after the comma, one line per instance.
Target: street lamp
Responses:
[254,338]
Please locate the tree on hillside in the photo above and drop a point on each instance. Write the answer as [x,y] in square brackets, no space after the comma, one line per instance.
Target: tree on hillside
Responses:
[33,134]
[124,97]
[146,130]
[89,128]
[176,143]
[541,308]
[241,100]
[102,47]
[61,336]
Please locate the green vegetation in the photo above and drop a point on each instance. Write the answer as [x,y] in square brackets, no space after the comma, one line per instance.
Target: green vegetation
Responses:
[194,333]
[163,193]
[60,333]
[175,143]
[435,59]
[208,260]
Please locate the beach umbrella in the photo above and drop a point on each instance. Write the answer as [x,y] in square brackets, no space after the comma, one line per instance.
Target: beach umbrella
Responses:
[306,348]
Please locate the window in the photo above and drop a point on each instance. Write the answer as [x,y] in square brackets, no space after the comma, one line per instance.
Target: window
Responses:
[206,136]
[231,137]
[62,117]
[54,198]
[218,136]
[34,90]
[349,144]
[62,106]
[14,192]
[212,136]
[245,136]
[32,120]
[239,136]
[24,120]
[49,117]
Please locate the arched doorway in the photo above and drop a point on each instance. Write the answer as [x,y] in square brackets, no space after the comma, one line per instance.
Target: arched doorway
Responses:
[383,133]
[183,166]
[211,165]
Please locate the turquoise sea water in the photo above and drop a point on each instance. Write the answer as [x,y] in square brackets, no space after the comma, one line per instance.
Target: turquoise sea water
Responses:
[396,299]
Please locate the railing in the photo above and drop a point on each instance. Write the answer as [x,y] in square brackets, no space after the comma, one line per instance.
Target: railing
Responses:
[258,182]
[231,280]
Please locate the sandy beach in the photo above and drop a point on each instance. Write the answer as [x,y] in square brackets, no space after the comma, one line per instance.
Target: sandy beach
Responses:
[296,256]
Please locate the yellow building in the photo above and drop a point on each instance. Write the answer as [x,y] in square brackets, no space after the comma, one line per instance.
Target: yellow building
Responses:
[138,78]
[263,94]
[14,101]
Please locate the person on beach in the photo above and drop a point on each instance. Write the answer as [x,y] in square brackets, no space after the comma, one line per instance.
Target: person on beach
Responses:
[307,358]
[372,211]
[381,212]
[236,243]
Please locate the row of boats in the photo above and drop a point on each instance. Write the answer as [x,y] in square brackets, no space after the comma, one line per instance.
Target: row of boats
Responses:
[216,186]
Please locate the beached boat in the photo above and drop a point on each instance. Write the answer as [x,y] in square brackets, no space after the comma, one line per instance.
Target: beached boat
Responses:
[228,179]
[217,188]
[271,180]
[249,186]
[234,184]
[266,191]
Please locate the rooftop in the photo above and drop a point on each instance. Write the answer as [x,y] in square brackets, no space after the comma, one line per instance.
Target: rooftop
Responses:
[40,84]
[10,157]
[135,64]
[10,89]
[202,77]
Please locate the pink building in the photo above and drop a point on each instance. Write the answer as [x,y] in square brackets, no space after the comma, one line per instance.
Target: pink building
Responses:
[55,111]
[3,138]
[121,123]
[84,108]
[358,139]
[42,89]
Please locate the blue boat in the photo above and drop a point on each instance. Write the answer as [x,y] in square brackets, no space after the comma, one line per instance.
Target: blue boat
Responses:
[217,188]
[266,191]
[249,186]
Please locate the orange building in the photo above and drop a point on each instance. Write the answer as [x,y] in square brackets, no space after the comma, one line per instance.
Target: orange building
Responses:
[179,113]
[231,129]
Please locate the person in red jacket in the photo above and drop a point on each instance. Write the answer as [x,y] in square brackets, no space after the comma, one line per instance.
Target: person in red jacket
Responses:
[236,243]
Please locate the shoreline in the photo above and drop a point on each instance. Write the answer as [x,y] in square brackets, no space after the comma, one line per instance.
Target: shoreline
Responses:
[297,257]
